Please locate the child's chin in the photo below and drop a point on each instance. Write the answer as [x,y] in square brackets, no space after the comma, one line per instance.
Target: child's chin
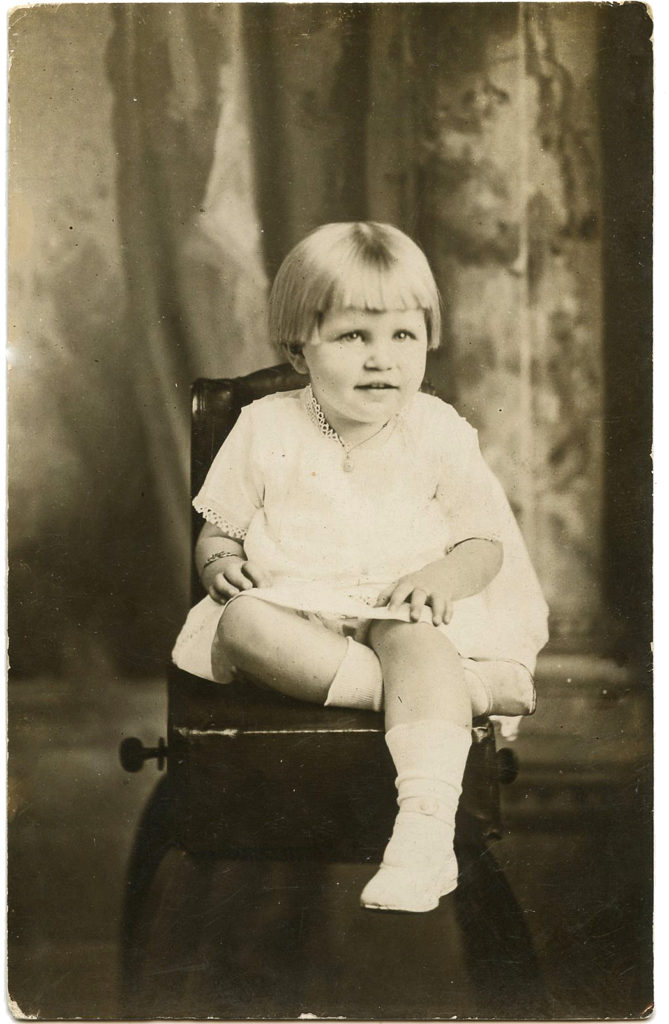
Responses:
[383,397]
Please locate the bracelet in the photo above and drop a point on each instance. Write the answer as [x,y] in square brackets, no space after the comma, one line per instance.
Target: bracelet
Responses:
[217,555]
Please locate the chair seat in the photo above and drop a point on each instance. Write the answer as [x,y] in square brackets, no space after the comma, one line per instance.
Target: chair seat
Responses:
[256,774]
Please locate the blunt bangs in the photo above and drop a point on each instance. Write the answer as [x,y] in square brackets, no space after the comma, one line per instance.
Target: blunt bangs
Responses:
[364,265]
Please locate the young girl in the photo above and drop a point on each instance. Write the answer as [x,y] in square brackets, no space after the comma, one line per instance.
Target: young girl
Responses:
[357,551]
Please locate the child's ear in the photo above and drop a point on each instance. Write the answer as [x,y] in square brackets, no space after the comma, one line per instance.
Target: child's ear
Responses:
[295,356]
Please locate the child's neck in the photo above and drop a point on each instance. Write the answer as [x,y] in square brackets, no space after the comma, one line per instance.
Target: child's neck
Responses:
[351,432]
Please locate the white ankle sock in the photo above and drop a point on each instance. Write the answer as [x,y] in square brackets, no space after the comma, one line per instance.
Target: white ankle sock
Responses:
[358,682]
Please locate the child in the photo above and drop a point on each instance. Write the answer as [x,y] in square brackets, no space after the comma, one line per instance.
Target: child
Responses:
[358,552]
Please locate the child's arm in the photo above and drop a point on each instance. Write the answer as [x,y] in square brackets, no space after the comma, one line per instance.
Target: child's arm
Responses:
[467,569]
[229,573]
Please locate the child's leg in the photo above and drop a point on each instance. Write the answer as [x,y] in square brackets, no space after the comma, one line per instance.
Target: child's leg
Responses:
[295,656]
[428,723]
[422,674]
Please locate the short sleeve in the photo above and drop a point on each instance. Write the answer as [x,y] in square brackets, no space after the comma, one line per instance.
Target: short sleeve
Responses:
[470,495]
[233,490]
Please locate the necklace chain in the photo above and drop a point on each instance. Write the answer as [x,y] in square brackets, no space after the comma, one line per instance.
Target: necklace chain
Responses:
[318,417]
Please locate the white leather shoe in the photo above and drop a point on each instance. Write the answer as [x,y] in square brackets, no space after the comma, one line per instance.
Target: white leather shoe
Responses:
[405,890]
[419,865]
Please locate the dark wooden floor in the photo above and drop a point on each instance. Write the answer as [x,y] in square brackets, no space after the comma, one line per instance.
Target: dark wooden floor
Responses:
[576,850]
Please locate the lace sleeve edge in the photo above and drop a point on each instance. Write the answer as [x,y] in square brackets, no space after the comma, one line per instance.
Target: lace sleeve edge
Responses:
[214,517]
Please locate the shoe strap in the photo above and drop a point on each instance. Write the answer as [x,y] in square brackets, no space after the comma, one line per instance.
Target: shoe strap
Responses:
[426,805]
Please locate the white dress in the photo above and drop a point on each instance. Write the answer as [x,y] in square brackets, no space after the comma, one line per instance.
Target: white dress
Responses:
[332,539]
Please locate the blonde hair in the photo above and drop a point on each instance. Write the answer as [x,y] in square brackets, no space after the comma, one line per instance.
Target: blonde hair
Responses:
[361,264]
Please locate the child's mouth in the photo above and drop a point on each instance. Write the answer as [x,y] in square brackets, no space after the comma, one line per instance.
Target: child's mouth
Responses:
[376,387]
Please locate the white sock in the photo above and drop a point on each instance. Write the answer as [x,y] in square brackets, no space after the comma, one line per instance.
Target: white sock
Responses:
[430,757]
[358,682]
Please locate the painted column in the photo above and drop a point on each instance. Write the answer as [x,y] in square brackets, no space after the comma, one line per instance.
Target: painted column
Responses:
[511,209]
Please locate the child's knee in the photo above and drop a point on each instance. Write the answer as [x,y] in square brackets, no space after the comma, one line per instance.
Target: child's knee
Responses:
[237,625]
[394,639]
[391,633]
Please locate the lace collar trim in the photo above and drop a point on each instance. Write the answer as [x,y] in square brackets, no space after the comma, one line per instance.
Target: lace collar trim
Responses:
[317,416]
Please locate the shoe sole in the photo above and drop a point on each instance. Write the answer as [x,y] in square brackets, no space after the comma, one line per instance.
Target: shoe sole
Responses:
[447,888]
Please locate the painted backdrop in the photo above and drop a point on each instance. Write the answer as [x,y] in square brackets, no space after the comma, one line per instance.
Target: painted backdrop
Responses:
[164,157]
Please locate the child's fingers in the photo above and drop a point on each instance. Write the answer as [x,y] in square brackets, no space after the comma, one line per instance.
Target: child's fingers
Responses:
[438,610]
[418,599]
[448,611]
[221,593]
[225,584]
[234,574]
[223,587]
[384,596]
[258,576]
[399,594]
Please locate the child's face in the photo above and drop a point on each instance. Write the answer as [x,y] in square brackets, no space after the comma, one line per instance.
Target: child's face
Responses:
[365,366]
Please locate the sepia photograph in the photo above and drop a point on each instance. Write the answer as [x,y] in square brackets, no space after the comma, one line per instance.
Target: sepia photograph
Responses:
[330,519]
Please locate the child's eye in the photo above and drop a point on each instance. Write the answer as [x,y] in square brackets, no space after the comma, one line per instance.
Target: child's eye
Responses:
[350,336]
[404,335]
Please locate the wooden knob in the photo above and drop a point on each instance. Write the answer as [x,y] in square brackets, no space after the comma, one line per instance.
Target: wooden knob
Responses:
[133,754]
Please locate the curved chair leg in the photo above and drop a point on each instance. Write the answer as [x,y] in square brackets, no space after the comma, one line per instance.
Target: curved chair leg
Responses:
[500,956]
[155,835]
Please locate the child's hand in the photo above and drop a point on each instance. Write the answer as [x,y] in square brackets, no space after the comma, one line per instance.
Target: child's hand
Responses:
[229,576]
[430,586]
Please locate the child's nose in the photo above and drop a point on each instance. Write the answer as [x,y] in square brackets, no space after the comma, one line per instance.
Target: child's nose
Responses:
[379,354]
